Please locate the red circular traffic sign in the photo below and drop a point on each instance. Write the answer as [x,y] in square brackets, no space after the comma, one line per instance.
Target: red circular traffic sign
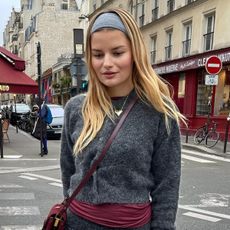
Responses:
[213,65]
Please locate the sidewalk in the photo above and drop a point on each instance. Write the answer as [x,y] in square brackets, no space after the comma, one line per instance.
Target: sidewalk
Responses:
[23,145]
[218,149]
[22,152]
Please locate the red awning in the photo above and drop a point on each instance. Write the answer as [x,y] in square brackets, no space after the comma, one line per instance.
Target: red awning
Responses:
[13,59]
[15,81]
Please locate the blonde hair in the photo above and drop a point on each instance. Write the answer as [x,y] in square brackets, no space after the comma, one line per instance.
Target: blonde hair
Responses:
[147,84]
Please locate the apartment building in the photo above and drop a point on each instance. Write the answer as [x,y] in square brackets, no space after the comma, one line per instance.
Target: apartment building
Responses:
[51,23]
[180,36]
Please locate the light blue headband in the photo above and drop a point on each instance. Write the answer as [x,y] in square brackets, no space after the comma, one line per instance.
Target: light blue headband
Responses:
[108,20]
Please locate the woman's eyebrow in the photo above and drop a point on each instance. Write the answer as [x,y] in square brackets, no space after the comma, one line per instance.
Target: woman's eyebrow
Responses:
[115,48]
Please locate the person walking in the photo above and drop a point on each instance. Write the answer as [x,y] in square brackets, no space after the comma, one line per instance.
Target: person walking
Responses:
[136,186]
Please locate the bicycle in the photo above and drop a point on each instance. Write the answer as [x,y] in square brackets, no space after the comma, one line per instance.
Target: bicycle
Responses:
[207,134]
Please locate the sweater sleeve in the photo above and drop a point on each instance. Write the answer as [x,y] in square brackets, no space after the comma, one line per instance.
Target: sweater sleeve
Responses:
[66,156]
[166,167]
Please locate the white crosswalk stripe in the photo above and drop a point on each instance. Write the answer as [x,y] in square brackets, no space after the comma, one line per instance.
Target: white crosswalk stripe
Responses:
[202,158]
[21,227]
[13,207]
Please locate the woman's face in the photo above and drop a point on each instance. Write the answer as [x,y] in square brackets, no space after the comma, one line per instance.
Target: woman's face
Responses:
[112,61]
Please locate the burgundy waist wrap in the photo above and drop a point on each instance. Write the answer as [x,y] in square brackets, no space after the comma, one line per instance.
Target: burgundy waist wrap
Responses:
[114,215]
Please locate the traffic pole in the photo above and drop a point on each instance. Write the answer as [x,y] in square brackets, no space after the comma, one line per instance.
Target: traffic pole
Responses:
[226,134]
[39,93]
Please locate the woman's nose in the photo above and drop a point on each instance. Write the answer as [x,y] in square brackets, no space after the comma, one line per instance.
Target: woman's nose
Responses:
[107,60]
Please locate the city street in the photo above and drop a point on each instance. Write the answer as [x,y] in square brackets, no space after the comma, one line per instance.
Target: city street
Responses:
[30,185]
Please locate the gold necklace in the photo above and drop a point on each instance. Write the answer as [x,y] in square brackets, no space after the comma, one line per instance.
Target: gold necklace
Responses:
[119,111]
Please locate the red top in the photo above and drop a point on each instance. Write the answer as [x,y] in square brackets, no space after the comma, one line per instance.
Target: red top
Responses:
[114,215]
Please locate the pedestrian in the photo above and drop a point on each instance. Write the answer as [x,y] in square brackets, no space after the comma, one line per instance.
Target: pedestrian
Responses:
[40,125]
[136,186]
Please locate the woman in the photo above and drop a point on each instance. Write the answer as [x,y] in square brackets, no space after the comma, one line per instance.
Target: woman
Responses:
[136,184]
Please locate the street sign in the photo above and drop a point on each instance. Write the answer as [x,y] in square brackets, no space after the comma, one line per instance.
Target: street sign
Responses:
[211,79]
[213,65]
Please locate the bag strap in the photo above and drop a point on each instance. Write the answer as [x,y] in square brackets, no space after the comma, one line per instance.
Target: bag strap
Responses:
[93,168]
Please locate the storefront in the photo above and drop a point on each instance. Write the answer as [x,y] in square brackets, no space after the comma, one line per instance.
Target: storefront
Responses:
[192,95]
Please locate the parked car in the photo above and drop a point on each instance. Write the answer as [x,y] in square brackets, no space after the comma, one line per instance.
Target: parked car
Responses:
[55,128]
[21,110]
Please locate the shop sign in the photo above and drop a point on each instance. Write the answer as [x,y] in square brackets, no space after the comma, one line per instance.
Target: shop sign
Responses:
[211,79]
[192,63]
[4,88]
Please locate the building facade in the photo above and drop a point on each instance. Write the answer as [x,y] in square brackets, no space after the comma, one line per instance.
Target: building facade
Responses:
[50,22]
[180,36]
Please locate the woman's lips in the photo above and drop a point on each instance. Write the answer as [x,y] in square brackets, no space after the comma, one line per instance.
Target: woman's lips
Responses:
[109,74]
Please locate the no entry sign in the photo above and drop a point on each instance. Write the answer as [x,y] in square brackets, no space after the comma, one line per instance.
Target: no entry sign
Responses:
[213,65]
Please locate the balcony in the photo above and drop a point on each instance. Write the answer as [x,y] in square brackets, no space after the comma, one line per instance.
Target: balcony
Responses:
[168,52]
[186,47]
[208,41]
[155,13]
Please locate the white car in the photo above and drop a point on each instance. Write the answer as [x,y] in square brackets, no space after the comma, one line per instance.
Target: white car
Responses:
[55,128]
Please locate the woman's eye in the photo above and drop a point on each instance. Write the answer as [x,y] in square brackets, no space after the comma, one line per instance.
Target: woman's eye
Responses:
[117,53]
[97,55]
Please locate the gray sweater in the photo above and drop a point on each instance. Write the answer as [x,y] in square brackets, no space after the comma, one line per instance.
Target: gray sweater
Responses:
[142,162]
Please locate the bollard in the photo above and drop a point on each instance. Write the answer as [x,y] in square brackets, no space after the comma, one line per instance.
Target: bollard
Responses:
[226,134]
[1,138]
[186,140]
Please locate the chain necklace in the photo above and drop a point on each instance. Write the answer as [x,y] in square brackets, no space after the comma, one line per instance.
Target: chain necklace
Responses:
[119,111]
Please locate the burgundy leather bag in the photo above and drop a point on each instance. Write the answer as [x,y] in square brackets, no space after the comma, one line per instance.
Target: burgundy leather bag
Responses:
[57,216]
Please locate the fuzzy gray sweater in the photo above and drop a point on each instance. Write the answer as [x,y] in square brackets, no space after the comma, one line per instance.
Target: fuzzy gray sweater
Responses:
[142,162]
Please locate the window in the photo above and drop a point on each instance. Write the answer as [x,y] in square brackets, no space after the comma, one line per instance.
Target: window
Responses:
[29,5]
[168,48]
[209,32]
[153,49]
[155,10]
[170,5]
[141,13]
[187,39]
[64,5]
[94,5]
[131,7]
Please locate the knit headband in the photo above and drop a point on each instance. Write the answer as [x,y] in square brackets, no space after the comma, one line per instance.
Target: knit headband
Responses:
[108,20]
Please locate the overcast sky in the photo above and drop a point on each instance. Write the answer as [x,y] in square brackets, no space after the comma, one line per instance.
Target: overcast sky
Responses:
[5,11]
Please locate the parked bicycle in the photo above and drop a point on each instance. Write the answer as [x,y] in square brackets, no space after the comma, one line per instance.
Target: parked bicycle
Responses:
[208,134]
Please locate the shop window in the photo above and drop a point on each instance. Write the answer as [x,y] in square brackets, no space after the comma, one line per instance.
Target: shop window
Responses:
[181,86]
[222,95]
[204,93]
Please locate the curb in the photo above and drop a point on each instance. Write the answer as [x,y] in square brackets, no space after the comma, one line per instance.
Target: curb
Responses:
[204,149]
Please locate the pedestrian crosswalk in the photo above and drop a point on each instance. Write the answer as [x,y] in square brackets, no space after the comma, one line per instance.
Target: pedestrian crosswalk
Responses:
[202,158]
[11,206]
[51,181]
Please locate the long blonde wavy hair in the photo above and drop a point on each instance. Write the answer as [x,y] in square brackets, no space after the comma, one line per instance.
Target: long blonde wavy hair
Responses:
[97,104]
